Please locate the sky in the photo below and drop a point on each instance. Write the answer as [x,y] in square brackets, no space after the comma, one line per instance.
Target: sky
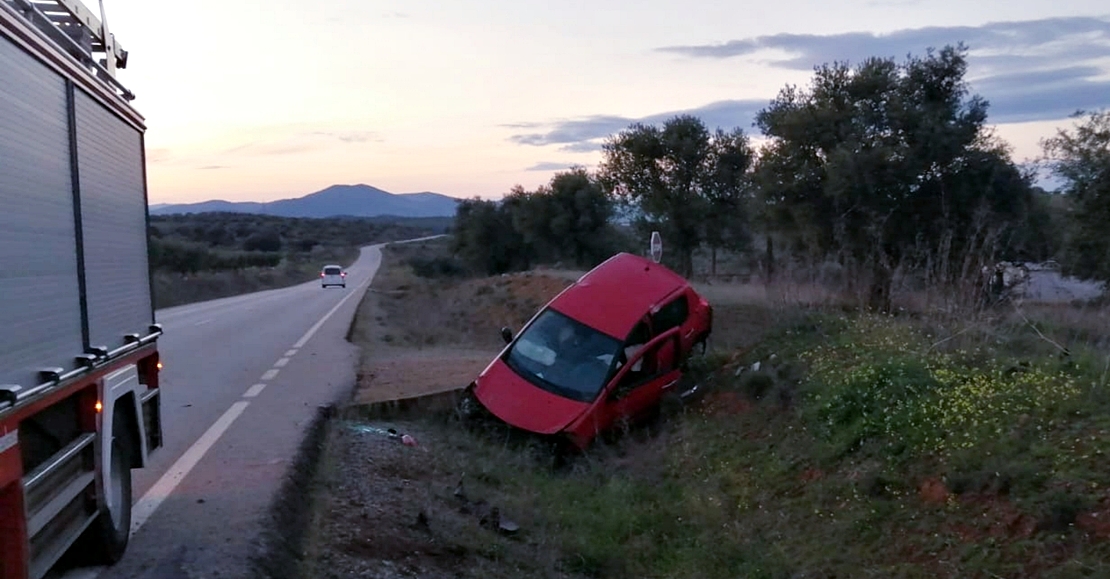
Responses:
[261,100]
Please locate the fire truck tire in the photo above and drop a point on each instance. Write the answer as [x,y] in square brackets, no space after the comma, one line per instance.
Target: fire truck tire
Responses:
[106,539]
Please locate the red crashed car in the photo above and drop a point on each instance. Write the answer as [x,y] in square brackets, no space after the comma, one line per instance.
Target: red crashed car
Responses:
[605,350]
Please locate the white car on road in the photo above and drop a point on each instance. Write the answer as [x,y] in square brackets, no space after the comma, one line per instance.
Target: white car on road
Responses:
[333,275]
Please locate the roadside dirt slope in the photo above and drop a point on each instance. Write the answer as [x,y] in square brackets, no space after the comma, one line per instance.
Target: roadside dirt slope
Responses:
[386,510]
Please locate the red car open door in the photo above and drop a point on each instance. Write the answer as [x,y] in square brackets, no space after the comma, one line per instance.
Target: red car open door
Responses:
[642,382]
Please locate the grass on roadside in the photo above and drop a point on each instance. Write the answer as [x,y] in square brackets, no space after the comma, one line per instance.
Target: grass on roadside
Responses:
[861,445]
[856,450]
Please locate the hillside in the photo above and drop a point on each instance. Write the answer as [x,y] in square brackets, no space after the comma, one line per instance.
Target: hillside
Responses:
[338,200]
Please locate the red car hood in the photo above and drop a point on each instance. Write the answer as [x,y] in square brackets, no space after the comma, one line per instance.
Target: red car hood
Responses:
[522,404]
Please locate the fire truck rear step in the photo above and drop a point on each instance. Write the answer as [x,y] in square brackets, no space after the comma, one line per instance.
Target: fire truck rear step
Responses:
[55,520]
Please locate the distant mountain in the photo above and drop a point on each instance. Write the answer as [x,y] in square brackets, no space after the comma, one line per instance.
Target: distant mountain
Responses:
[337,200]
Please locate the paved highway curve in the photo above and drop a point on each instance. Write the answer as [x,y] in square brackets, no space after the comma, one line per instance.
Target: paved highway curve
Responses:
[242,379]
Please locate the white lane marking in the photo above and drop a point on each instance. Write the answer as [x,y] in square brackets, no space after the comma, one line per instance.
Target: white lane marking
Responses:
[312,331]
[169,481]
[281,363]
[254,391]
[290,353]
[202,322]
[270,374]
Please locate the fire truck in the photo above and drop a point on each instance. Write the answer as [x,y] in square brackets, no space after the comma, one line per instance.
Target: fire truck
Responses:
[79,362]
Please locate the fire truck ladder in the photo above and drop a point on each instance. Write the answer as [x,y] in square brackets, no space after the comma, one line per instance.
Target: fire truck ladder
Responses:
[78,32]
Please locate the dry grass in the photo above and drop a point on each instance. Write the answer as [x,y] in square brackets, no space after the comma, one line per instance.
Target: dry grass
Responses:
[773,295]
[468,312]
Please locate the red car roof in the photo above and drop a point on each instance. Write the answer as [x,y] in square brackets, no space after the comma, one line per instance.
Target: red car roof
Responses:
[615,295]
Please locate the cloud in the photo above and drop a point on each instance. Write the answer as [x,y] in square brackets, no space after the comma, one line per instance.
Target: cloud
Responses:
[583,147]
[550,166]
[395,15]
[521,125]
[1028,70]
[1041,95]
[573,131]
[582,135]
[1063,37]
[213,167]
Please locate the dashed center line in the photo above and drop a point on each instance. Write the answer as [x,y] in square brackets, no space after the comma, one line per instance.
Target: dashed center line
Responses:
[281,363]
[270,374]
[161,490]
[290,353]
[254,391]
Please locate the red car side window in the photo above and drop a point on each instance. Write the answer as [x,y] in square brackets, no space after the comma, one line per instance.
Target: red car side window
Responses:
[659,359]
[673,314]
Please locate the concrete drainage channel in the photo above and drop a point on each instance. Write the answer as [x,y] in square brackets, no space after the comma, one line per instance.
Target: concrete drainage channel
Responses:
[282,542]
[281,548]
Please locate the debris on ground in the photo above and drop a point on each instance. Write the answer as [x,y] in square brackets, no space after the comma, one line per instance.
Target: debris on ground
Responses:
[391,433]
[488,516]
[390,513]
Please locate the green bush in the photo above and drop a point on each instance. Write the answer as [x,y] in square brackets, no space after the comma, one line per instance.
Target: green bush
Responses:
[879,384]
[433,267]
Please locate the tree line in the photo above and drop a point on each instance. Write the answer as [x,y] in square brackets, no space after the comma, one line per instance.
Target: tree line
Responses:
[883,166]
[220,241]
[569,220]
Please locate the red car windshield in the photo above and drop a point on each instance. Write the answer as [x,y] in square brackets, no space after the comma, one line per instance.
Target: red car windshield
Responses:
[563,356]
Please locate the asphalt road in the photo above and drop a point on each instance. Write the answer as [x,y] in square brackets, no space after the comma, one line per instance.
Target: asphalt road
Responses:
[242,379]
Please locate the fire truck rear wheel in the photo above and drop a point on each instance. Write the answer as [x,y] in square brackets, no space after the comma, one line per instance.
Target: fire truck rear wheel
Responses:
[107,536]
